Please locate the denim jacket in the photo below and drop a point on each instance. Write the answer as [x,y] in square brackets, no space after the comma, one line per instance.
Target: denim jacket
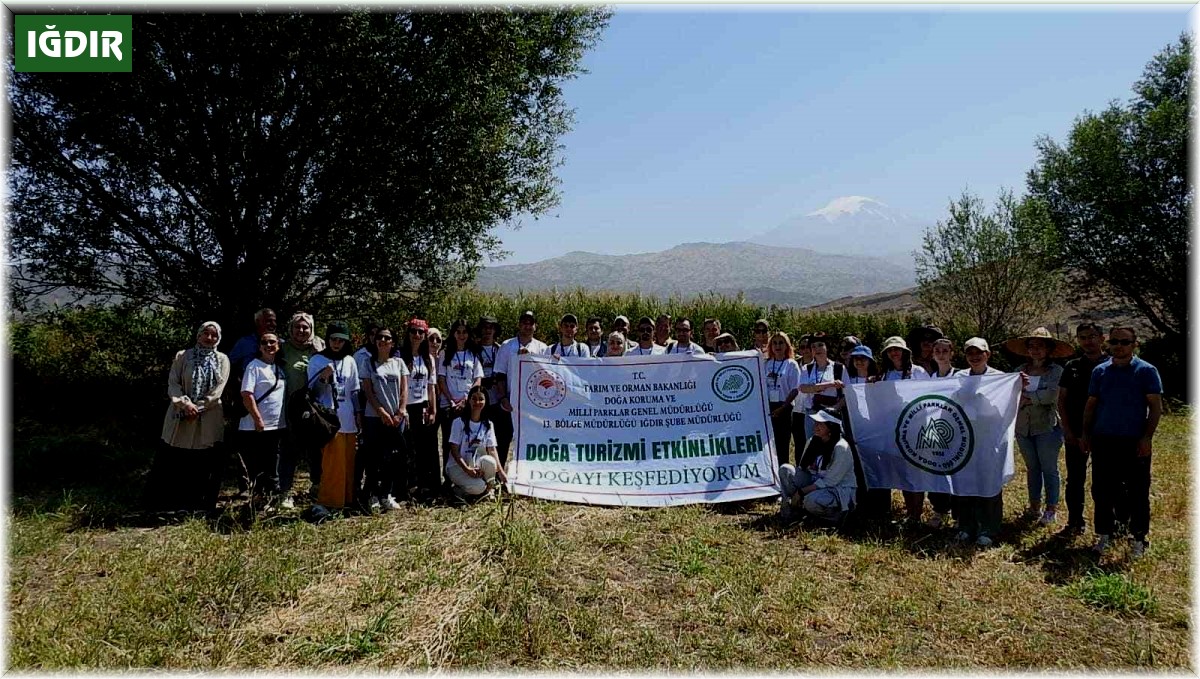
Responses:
[1040,415]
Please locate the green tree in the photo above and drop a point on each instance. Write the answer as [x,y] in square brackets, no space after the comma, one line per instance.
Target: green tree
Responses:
[988,271]
[1119,196]
[324,161]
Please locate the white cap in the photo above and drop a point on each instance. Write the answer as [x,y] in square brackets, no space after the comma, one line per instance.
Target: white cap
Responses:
[621,318]
[822,416]
[977,343]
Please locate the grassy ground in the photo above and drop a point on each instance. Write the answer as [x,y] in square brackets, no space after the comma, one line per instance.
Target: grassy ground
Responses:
[535,585]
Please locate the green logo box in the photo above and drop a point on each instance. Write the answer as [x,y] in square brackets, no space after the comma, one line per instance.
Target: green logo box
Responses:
[61,43]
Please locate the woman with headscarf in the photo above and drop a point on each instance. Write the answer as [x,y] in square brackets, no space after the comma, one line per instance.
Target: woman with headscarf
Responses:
[823,482]
[616,345]
[186,474]
[334,376]
[300,347]
[1039,435]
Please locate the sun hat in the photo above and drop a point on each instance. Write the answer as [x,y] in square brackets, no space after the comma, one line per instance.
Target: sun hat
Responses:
[1055,348]
[977,343]
[862,350]
[824,415]
[895,342]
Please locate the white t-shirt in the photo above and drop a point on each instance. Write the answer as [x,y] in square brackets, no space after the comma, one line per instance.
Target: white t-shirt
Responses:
[935,376]
[917,373]
[465,367]
[690,348]
[487,356]
[468,438]
[259,379]
[578,349]
[385,383]
[810,375]
[654,350]
[966,372]
[782,377]
[506,357]
[345,375]
[420,376]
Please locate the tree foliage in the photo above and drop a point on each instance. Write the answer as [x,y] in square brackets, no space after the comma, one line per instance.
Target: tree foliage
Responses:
[299,160]
[988,270]
[1119,196]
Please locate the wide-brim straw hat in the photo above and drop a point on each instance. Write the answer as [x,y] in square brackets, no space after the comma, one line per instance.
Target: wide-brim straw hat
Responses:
[1055,348]
[895,342]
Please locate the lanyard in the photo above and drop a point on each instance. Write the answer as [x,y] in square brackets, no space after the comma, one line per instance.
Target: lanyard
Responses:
[773,371]
[461,358]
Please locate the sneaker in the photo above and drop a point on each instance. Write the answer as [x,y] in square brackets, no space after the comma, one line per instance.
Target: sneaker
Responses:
[1139,549]
[373,503]
[785,510]
[962,536]
[1032,512]
[983,541]
[937,520]
[1120,528]
[1101,545]
[389,502]
[287,503]
[1048,518]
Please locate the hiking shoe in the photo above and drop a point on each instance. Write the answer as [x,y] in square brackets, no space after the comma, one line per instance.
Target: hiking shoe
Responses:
[1048,518]
[287,503]
[1139,549]
[937,520]
[785,510]
[962,536]
[373,503]
[389,502]
[983,541]
[1101,545]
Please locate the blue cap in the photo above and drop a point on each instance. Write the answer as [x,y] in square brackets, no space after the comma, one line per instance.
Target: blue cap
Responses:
[862,350]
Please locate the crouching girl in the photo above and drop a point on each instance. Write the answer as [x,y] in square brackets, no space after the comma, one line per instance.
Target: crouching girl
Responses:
[824,485]
[473,466]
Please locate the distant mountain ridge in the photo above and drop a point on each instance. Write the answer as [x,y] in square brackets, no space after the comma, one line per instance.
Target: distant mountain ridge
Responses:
[766,274]
[851,225]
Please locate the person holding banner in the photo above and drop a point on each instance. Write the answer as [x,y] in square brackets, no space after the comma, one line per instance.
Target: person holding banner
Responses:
[762,332]
[783,386]
[595,339]
[710,328]
[616,345]
[1038,433]
[566,344]
[823,481]
[822,381]
[645,345]
[472,467]
[662,330]
[506,364]
[978,517]
[898,365]
[875,503]
[684,343]
[943,359]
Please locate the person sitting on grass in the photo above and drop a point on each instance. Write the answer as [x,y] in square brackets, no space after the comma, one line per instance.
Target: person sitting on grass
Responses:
[824,484]
[473,468]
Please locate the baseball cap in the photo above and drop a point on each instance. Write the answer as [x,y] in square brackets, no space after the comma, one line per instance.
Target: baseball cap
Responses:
[527,314]
[977,343]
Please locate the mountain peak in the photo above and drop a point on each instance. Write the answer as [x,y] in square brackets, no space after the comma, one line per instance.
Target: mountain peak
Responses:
[846,205]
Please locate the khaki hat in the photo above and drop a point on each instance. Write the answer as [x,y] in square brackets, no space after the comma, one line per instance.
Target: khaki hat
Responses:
[894,342]
[1055,348]
[977,343]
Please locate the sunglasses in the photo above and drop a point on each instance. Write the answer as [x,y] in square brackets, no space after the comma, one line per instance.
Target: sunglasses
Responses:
[383,338]
[436,339]
[1119,342]
[416,331]
[268,343]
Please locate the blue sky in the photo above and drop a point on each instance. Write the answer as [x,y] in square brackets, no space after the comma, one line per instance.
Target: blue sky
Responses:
[718,123]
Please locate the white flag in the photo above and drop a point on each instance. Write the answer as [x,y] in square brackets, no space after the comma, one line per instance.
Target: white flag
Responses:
[948,435]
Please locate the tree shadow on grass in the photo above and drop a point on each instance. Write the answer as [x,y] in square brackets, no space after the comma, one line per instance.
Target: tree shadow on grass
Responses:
[1063,559]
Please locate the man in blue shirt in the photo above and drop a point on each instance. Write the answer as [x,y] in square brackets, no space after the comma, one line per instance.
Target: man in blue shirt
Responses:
[246,348]
[1122,412]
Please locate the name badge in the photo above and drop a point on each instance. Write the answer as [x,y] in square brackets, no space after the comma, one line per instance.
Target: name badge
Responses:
[774,395]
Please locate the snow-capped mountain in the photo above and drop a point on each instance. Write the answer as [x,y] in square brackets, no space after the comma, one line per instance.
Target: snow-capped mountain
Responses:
[850,225]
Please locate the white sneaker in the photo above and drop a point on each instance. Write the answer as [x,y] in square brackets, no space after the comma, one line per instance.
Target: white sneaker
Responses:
[389,502]
[374,502]
[287,503]
[962,536]
[983,541]
[1048,518]
[937,520]
[1139,549]
[1101,545]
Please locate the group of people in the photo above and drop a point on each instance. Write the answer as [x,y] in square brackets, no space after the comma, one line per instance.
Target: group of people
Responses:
[396,391]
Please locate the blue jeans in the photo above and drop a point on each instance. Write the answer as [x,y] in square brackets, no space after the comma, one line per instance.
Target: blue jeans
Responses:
[1041,464]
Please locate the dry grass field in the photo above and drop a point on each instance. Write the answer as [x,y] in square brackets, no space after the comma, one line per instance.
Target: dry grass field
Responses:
[528,585]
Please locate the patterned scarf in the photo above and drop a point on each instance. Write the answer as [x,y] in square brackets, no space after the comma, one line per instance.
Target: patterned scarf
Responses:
[206,369]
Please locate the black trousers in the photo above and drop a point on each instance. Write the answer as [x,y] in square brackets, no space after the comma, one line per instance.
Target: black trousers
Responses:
[1120,483]
[186,479]
[387,460]
[423,446]
[781,428]
[1077,465]
[260,454]
[502,420]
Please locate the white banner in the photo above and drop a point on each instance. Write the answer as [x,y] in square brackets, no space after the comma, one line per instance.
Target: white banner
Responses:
[950,435]
[645,431]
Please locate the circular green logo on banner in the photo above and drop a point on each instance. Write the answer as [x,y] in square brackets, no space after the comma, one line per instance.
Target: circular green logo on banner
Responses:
[934,434]
[732,383]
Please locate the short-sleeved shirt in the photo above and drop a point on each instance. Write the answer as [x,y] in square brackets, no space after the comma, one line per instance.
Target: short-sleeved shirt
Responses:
[465,367]
[385,382]
[811,374]
[487,358]
[241,354]
[577,349]
[267,384]
[691,348]
[1122,390]
[345,376]
[782,377]
[1077,375]
[295,363]
[506,358]
[917,373]
[654,350]
[422,373]
[471,436]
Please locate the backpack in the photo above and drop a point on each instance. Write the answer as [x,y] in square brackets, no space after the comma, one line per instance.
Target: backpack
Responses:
[574,345]
[310,419]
